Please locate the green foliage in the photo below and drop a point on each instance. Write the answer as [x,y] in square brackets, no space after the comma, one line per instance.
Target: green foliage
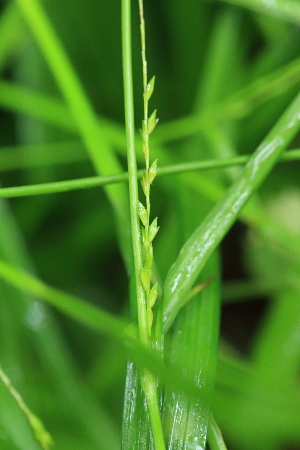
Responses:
[131,300]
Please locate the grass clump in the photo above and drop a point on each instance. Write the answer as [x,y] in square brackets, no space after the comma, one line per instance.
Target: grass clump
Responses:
[200,325]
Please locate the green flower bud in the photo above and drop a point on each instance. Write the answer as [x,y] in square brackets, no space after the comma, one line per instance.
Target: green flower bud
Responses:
[149,256]
[152,121]
[150,319]
[152,171]
[153,295]
[143,214]
[153,229]
[145,184]
[145,279]
[150,88]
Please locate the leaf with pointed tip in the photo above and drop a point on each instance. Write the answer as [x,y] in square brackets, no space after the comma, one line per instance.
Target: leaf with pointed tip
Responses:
[152,121]
[150,88]
[153,295]
[143,214]
[152,171]
[153,229]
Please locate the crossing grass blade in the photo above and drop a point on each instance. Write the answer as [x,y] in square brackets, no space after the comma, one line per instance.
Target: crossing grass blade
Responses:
[208,235]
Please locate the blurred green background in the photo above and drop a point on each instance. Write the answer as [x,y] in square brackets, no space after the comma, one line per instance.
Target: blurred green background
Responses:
[224,74]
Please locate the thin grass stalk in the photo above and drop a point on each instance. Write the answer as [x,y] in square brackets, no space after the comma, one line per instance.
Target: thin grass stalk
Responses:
[147,380]
[41,434]
[90,182]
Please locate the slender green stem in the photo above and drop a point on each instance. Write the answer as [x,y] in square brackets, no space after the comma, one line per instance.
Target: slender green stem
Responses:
[41,434]
[132,169]
[147,379]
[84,183]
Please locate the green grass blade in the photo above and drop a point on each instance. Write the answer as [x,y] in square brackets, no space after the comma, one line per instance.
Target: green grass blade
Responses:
[194,345]
[240,104]
[69,84]
[136,429]
[100,321]
[79,310]
[85,183]
[47,108]
[49,344]
[208,235]
[22,100]
[41,434]
[14,424]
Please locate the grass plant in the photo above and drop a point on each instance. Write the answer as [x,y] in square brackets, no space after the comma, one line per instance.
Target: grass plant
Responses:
[114,335]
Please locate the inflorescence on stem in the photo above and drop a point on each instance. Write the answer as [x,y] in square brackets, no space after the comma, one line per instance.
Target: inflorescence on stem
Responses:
[149,230]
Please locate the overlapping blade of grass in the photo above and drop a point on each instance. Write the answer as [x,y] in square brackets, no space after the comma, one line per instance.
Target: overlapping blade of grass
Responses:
[22,100]
[87,314]
[16,431]
[136,428]
[240,104]
[98,146]
[207,236]
[195,333]
[47,340]
[194,347]
[103,322]
[49,109]
[28,156]
[69,84]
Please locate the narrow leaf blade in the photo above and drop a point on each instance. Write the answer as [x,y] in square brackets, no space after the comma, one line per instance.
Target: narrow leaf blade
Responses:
[211,231]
